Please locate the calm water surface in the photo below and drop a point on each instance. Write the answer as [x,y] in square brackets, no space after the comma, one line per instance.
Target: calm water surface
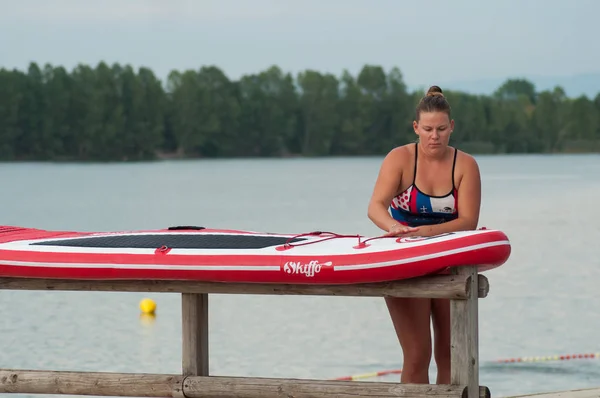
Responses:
[544,301]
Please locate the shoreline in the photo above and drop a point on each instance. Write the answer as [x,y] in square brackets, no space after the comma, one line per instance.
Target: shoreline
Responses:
[179,157]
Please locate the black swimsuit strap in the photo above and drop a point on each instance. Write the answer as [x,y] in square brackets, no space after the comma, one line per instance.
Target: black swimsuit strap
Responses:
[416,155]
[453,167]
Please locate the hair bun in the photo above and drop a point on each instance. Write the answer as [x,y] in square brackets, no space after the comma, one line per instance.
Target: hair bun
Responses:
[434,90]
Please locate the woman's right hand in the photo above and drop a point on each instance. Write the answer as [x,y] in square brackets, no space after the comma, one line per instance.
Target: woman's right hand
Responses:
[399,230]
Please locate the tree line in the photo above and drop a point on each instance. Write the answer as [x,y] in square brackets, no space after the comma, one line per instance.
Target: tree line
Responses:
[116,113]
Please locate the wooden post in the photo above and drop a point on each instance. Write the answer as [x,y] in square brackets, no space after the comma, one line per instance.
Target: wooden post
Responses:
[194,308]
[464,338]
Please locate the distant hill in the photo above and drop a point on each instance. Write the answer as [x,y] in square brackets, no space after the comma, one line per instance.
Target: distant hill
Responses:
[575,86]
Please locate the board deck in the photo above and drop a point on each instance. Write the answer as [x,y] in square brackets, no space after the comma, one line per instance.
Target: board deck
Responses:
[223,255]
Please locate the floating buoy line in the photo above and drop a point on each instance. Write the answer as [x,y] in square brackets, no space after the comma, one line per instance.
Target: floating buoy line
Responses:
[594,355]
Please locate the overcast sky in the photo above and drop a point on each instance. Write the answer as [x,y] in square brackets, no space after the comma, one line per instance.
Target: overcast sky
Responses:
[431,42]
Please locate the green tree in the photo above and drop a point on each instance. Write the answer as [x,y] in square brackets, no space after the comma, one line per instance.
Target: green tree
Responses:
[117,113]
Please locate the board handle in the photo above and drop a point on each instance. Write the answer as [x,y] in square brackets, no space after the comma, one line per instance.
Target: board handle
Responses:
[179,227]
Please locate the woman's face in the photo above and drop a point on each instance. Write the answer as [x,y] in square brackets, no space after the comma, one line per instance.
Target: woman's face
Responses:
[434,129]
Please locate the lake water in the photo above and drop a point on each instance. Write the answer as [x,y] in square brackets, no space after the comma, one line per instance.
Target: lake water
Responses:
[543,301]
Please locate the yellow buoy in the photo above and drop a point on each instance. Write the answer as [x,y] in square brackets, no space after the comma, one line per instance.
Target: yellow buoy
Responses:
[147,306]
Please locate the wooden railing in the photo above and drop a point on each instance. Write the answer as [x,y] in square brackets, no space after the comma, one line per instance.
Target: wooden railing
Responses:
[464,287]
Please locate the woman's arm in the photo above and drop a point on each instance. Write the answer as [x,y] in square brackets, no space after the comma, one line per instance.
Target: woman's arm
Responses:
[469,203]
[386,186]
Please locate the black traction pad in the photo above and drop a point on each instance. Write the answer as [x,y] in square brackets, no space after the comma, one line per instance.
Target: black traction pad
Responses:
[175,241]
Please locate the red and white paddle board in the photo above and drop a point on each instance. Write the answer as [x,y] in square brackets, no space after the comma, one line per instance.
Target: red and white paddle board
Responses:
[203,254]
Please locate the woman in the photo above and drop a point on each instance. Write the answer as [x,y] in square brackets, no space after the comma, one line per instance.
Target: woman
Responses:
[424,185]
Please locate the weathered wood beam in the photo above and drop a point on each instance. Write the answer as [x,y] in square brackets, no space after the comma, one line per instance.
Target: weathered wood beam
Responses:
[437,286]
[89,383]
[157,385]
[237,387]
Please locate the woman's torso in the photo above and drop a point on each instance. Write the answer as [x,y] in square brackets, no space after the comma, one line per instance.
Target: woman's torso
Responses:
[414,207]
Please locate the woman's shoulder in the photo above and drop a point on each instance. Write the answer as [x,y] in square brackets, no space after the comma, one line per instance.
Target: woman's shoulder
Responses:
[397,159]
[402,152]
[466,166]
[465,160]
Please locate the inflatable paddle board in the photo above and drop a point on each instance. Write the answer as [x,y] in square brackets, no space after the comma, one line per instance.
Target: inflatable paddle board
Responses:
[220,255]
